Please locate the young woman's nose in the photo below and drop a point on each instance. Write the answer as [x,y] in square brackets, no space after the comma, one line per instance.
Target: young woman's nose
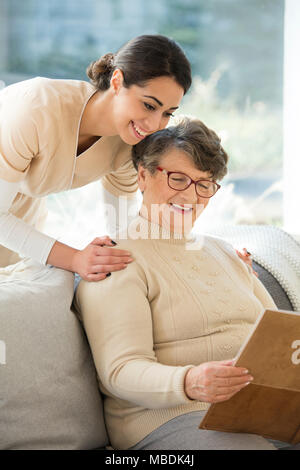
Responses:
[155,122]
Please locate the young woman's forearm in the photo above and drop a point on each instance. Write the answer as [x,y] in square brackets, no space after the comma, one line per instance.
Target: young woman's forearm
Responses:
[22,238]
[15,234]
[62,256]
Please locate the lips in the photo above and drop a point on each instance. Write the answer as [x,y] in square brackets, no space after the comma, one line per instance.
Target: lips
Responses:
[182,209]
[138,132]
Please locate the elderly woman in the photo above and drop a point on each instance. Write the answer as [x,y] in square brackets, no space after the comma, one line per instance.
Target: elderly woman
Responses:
[164,331]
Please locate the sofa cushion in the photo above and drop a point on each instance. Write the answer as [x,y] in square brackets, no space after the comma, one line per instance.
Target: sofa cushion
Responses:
[273,287]
[49,396]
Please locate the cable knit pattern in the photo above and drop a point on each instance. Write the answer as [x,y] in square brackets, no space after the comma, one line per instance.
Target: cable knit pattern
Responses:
[182,302]
[272,248]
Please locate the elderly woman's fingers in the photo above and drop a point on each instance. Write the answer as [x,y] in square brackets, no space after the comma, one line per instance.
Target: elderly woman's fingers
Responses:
[219,394]
[233,381]
[229,384]
[220,370]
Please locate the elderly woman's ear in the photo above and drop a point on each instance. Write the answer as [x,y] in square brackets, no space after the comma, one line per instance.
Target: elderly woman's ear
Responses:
[142,178]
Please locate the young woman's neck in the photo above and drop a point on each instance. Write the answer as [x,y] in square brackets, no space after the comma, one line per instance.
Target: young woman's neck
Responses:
[97,117]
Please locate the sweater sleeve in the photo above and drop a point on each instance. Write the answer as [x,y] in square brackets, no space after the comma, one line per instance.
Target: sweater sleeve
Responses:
[117,317]
[263,295]
[18,140]
[15,234]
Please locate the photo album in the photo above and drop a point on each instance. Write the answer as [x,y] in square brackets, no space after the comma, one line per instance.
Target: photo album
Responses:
[270,405]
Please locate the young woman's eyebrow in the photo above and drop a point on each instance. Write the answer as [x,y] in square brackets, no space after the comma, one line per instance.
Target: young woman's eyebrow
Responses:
[158,102]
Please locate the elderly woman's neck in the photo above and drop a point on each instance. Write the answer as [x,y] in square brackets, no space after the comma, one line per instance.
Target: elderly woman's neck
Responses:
[165,226]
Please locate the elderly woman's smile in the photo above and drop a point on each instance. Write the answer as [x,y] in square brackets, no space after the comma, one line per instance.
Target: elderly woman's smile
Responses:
[181,208]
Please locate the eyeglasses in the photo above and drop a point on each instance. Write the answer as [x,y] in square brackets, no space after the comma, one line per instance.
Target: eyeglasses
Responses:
[180,181]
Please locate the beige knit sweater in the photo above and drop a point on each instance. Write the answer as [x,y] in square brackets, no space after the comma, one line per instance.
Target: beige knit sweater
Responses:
[177,305]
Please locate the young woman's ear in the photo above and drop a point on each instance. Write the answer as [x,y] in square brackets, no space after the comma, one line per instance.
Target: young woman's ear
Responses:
[117,80]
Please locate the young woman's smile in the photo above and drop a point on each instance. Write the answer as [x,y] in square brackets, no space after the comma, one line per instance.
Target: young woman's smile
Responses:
[138,131]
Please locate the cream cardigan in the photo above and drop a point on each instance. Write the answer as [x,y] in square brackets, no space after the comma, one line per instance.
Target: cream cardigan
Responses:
[39,126]
[177,305]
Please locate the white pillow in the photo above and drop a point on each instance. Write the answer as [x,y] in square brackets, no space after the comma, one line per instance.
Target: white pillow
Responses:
[49,396]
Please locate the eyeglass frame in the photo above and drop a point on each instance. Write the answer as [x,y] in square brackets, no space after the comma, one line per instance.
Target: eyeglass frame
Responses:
[191,181]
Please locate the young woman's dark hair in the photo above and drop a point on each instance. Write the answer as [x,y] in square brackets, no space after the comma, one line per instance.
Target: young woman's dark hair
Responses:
[141,59]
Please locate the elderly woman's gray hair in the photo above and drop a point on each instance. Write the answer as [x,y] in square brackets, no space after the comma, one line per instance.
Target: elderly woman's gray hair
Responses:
[191,136]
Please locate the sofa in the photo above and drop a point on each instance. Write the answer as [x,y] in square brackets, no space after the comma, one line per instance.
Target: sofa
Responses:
[49,395]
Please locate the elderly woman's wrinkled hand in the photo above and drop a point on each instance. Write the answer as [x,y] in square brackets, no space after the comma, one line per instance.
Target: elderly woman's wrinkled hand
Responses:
[215,381]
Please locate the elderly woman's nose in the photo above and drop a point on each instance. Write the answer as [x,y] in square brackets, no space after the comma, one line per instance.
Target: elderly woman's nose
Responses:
[190,193]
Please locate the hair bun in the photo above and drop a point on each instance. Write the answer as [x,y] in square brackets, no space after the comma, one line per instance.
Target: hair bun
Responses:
[101,68]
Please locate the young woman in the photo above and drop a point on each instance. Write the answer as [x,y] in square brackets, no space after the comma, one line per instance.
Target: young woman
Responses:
[57,135]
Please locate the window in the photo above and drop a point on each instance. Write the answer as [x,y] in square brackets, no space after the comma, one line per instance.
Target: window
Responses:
[236,48]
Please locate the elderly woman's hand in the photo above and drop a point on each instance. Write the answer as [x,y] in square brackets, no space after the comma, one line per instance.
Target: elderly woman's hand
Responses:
[215,381]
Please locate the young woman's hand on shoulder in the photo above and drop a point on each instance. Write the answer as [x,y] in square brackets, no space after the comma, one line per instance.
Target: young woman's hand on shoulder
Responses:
[99,258]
